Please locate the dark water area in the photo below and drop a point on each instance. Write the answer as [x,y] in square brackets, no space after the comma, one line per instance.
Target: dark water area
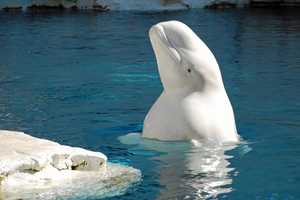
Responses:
[85,79]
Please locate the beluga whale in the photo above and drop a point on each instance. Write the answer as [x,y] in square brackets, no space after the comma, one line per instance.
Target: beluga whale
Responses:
[194,104]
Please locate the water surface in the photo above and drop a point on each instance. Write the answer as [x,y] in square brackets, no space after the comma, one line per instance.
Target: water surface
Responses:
[84,79]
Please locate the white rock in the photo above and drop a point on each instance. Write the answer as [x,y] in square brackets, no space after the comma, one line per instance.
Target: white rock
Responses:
[33,168]
[23,153]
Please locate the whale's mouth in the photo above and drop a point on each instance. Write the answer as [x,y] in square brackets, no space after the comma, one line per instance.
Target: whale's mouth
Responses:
[159,37]
[176,38]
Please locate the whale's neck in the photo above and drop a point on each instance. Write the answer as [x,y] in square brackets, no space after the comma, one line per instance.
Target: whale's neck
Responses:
[206,85]
[181,93]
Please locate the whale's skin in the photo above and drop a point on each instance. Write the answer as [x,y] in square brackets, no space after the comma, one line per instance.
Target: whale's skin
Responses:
[194,103]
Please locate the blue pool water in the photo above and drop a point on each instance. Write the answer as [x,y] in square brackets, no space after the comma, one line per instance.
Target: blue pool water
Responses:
[85,79]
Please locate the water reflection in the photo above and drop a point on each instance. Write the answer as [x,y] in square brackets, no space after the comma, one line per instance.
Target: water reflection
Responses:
[208,170]
[189,170]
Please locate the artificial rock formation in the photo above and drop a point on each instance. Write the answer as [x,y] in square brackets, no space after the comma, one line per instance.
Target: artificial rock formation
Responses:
[24,153]
[33,168]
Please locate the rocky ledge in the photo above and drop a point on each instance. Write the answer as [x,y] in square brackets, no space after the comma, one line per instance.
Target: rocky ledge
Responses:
[33,168]
[52,5]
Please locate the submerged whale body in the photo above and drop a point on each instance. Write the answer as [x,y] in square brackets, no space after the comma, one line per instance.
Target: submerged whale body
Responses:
[194,103]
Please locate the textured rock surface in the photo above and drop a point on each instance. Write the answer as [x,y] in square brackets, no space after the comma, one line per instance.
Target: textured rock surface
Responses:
[33,168]
[54,4]
[20,153]
[104,5]
[145,5]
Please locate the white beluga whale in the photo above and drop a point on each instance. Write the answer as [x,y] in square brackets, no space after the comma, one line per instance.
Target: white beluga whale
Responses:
[194,104]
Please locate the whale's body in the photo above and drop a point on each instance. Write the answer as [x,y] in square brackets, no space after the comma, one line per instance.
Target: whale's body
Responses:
[194,103]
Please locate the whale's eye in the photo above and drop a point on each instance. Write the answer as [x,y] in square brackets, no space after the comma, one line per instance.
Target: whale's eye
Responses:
[189,70]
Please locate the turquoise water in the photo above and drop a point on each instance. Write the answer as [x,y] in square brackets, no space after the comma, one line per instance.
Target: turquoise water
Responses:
[85,79]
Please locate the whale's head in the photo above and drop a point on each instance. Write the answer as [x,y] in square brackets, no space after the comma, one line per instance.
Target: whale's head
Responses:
[184,61]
